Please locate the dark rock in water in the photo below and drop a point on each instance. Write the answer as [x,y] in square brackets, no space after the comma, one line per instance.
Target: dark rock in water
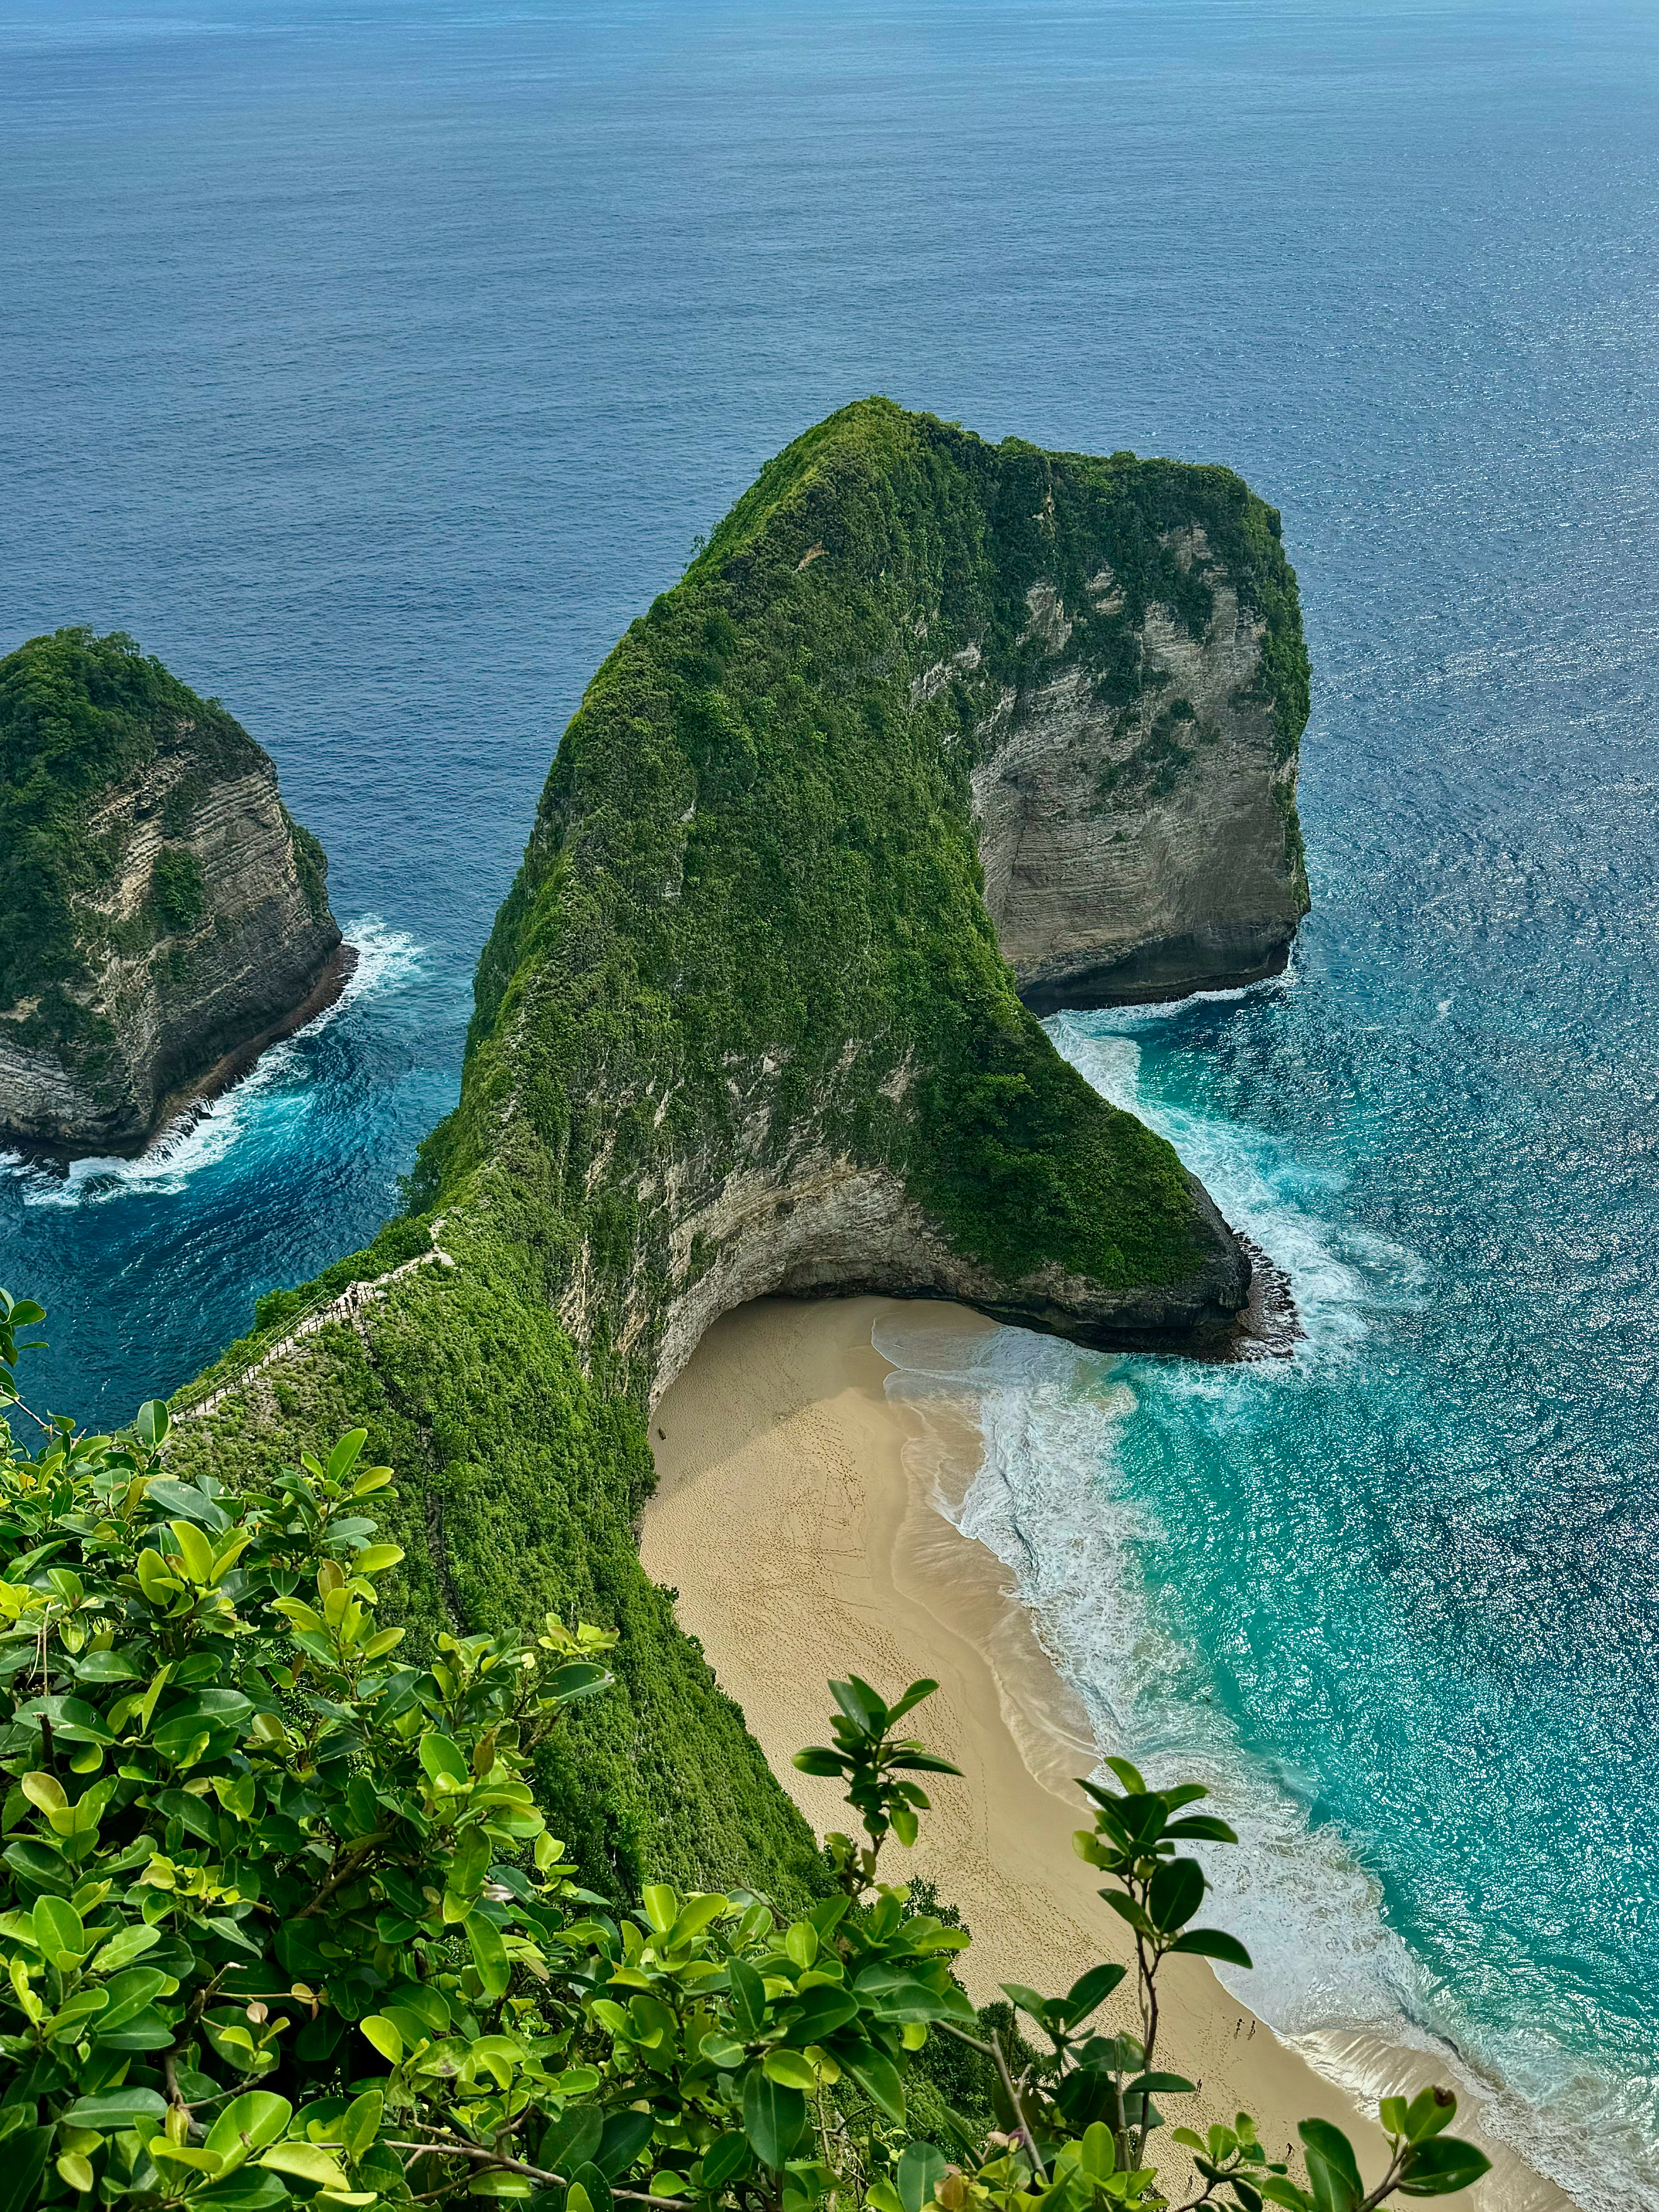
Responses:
[162,917]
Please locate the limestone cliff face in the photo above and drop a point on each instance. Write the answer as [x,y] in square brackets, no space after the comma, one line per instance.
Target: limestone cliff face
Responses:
[744,1026]
[1146,847]
[164,916]
[926,710]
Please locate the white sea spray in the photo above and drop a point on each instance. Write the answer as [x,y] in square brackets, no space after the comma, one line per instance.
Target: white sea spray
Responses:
[270,1100]
[1049,1499]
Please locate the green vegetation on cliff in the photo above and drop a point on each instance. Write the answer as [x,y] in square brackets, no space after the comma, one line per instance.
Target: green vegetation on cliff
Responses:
[283,1924]
[757,841]
[79,715]
[748,942]
[159,907]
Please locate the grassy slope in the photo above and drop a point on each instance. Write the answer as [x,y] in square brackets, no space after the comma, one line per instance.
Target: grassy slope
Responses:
[755,852]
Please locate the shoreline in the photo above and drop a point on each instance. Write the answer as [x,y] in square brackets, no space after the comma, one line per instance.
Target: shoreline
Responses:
[183,1105]
[795,1521]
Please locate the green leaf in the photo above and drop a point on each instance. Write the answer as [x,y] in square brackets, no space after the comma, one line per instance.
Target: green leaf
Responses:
[819,2011]
[1028,1999]
[876,2074]
[801,1942]
[247,2124]
[860,1703]
[1099,2156]
[662,1906]
[153,1423]
[791,2070]
[921,2169]
[307,2162]
[1174,1893]
[819,1759]
[129,1995]
[384,2036]
[1441,2165]
[589,2182]
[1128,1775]
[1333,2168]
[1277,2191]
[912,1697]
[195,1553]
[344,1457]
[375,1559]
[1127,1909]
[124,1947]
[626,2135]
[1393,2116]
[572,2139]
[489,1954]
[695,1915]
[1202,1828]
[184,1498]
[748,1997]
[438,1756]
[361,2123]
[76,2171]
[20,2170]
[724,2159]
[1090,1991]
[581,1679]
[774,2117]
[106,1667]
[58,1930]
[245,2190]
[1212,1943]
[1429,2111]
[111,2109]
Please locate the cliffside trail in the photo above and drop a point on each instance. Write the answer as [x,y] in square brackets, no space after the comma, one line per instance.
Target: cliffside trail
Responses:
[745,1025]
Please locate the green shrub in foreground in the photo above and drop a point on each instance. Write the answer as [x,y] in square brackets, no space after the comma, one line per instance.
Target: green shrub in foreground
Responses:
[283,1924]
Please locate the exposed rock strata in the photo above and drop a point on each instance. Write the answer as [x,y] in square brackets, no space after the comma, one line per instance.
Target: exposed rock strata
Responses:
[743,1027]
[1145,849]
[167,917]
[832,1228]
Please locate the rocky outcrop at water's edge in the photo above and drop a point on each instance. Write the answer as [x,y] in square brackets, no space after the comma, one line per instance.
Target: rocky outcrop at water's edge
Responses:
[166,918]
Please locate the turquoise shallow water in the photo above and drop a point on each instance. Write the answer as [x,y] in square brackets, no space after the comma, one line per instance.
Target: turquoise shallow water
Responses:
[375,364]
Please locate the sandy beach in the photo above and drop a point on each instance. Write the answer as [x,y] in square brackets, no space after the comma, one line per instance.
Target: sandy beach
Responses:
[795,1521]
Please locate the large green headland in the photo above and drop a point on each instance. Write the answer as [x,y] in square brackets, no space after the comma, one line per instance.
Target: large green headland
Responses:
[930,729]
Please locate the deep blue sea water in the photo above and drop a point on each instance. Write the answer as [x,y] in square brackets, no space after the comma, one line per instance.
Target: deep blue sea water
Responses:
[374,360]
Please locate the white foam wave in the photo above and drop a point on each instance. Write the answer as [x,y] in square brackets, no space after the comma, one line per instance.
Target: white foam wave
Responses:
[1048,1500]
[387,959]
[274,1091]
[1045,1502]
[1331,1977]
[1338,1275]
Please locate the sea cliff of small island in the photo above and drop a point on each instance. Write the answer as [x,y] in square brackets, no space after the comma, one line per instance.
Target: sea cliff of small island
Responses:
[932,733]
[163,915]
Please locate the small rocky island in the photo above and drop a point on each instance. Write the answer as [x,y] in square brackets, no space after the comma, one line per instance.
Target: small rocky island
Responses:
[162,916]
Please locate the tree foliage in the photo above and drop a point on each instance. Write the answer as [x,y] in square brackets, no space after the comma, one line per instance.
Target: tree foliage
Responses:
[283,1924]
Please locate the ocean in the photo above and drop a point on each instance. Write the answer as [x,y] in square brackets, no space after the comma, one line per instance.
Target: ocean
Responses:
[374,361]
